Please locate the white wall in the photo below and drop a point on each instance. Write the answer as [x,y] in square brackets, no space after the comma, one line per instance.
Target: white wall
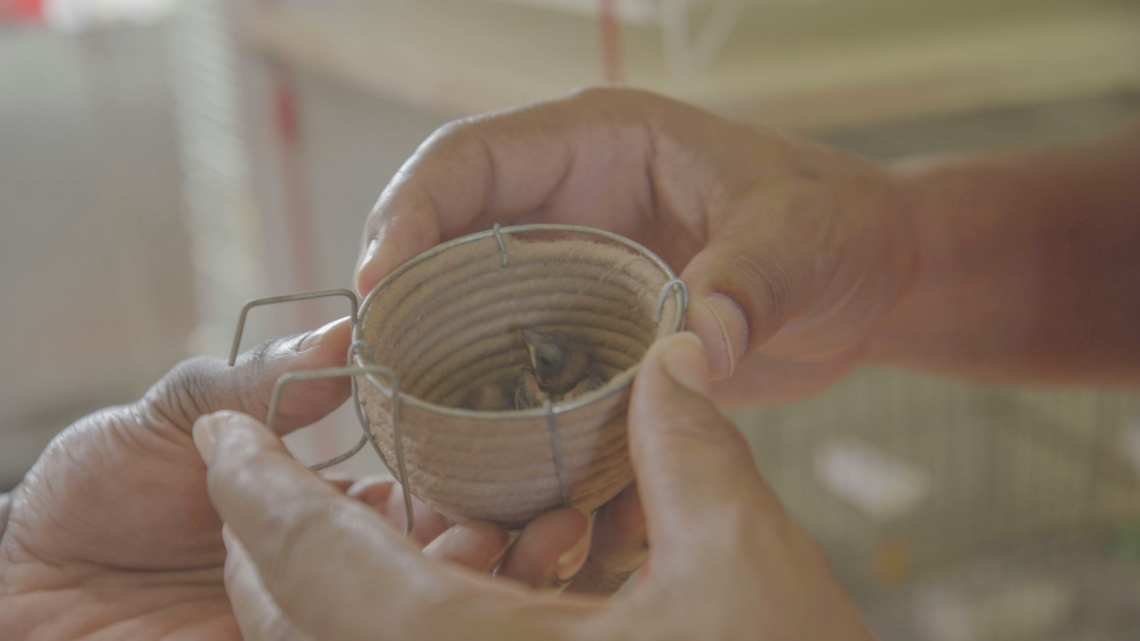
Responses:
[95,292]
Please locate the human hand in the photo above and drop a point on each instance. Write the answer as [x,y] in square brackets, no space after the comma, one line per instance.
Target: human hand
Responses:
[726,560]
[793,253]
[112,534]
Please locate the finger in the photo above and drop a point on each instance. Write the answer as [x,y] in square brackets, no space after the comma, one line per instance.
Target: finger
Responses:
[476,545]
[695,474]
[203,385]
[619,546]
[386,496]
[258,617]
[765,281]
[373,491]
[335,568]
[550,550]
[339,480]
[292,525]
[557,162]
[739,300]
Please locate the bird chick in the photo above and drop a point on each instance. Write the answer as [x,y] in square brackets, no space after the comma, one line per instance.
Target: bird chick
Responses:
[559,368]
[487,398]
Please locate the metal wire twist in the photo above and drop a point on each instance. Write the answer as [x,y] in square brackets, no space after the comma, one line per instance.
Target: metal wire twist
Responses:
[684,302]
[556,449]
[497,229]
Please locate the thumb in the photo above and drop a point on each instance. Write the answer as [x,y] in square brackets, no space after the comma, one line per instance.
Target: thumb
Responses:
[740,298]
[202,385]
[695,472]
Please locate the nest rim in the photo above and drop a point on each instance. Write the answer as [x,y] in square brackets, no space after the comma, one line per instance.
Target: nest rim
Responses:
[614,386]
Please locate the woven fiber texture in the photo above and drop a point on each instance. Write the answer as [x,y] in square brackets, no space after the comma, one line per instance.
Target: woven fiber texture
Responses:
[451,322]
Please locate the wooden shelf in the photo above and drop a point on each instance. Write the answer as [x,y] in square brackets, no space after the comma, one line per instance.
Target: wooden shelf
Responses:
[799,65]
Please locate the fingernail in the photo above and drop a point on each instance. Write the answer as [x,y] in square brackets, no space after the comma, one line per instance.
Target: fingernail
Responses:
[364,264]
[314,338]
[228,537]
[572,560]
[684,358]
[205,435]
[369,253]
[721,323]
[494,561]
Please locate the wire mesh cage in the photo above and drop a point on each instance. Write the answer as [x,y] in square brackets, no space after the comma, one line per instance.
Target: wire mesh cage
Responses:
[957,513]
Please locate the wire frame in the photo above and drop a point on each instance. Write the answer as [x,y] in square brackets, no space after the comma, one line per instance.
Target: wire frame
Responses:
[361,362]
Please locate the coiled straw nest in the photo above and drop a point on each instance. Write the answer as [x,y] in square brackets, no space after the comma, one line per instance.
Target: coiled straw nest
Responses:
[449,321]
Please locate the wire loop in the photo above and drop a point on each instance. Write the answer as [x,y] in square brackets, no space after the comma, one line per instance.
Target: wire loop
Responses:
[683,302]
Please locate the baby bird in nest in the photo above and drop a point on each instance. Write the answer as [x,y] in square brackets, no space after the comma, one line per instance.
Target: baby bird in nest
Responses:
[559,368]
[488,398]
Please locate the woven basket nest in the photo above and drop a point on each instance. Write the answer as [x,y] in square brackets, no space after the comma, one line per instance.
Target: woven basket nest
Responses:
[448,321]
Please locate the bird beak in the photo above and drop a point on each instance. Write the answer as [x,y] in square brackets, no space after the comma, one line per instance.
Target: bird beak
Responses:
[527,337]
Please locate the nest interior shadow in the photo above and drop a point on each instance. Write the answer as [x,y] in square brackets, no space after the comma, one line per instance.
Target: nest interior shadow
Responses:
[449,321]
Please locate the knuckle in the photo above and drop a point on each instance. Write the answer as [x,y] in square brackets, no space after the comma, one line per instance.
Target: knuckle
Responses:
[252,377]
[255,360]
[455,133]
[456,144]
[764,282]
[188,391]
[257,371]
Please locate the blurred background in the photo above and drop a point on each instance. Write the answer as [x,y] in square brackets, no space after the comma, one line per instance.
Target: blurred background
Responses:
[161,161]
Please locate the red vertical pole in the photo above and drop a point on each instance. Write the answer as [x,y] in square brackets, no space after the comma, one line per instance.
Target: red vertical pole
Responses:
[609,34]
[299,227]
[299,224]
[298,218]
